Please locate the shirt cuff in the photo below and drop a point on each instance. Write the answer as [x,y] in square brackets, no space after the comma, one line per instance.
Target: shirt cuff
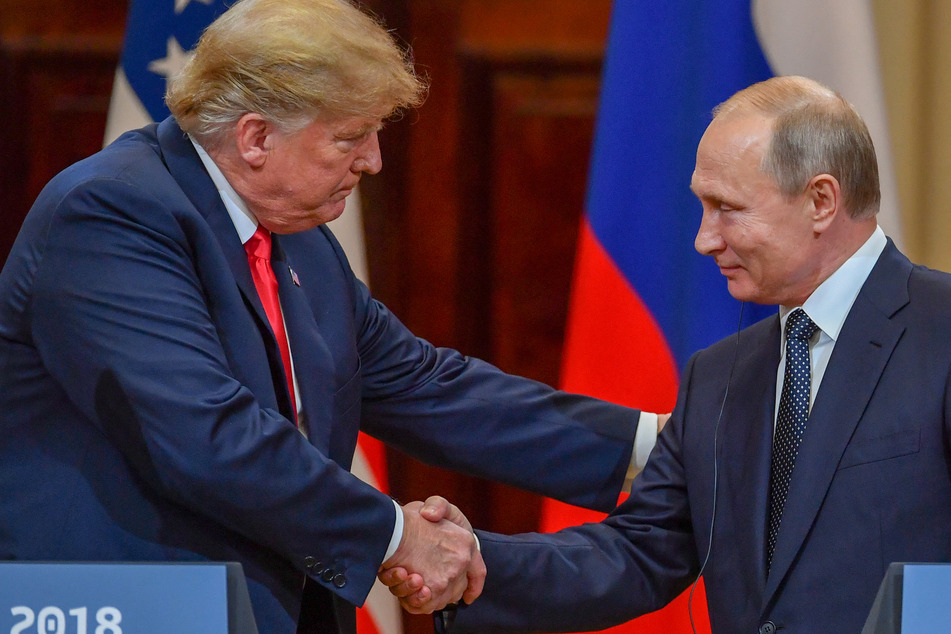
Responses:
[644,440]
[397,536]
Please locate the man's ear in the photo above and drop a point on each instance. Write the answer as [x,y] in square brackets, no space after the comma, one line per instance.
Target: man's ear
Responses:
[252,138]
[824,197]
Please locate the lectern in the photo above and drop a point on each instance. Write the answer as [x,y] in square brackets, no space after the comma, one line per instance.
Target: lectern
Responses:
[913,598]
[135,598]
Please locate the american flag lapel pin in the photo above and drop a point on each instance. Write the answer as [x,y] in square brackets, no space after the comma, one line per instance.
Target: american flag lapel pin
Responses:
[294,276]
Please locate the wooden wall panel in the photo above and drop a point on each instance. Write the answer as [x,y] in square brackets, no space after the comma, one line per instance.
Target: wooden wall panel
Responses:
[525,129]
[493,170]
[541,152]
[54,106]
[62,17]
[57,60]
[492,174]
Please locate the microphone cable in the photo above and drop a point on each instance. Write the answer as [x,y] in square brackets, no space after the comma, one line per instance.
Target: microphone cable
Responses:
[716,471]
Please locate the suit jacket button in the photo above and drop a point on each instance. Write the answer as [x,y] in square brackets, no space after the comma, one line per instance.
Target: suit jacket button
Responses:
[340,580]
[327,575]
[314,566]
[767,628]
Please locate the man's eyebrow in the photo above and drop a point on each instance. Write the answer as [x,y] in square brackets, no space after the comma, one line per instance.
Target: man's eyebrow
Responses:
[352,133]
[705,195]
[710,195]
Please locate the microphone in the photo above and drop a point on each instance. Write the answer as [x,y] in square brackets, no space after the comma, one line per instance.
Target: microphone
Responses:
[716,469]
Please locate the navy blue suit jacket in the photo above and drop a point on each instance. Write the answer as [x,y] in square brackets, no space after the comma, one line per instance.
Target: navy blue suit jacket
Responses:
[872,485]
[144,413]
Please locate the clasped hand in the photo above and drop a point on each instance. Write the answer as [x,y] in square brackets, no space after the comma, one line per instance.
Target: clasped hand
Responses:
[437,562]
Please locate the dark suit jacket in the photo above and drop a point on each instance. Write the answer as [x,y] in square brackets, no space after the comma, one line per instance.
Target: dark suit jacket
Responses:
[144,411]
[871,486]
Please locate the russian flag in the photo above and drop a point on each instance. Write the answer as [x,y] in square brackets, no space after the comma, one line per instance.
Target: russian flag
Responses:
[642,299]
[159,35]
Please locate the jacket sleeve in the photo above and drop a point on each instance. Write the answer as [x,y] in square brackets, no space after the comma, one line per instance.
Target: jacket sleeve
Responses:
[464,414]
[594,576]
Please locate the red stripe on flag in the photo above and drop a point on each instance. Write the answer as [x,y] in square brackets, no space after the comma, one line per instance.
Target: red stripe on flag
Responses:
[365,622]
[614,350]
[375,453]
[375,616]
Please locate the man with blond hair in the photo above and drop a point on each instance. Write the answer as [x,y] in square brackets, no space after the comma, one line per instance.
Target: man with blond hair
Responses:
[186,357]
[808,451]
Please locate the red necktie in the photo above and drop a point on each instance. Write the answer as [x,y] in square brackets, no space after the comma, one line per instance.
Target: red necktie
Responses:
[259,257]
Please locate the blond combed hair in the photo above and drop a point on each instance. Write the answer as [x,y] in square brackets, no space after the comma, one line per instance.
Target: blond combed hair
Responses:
[815,131]
[290,61]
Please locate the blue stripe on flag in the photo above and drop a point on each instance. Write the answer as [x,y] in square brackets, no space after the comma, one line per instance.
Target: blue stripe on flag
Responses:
[668,64]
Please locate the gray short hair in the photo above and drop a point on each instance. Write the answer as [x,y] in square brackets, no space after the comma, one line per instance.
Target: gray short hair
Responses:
[815,131]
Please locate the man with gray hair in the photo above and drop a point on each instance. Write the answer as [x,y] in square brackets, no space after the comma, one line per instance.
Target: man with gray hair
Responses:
[186,358]
[808,451]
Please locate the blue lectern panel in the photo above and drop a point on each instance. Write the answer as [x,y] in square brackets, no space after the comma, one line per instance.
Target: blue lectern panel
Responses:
[925,591]
[63,598]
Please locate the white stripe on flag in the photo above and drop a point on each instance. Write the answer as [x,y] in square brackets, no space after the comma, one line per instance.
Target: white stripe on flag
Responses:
[348,229]
[383,607]
[834,43]
[126,111]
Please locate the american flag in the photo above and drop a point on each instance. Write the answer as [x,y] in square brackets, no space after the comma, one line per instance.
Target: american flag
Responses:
[159,34]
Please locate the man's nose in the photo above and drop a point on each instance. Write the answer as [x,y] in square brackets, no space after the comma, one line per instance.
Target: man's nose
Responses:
[708,240]
[370,160]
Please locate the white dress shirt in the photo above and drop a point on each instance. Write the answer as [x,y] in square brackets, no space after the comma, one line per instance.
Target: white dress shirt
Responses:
[828,306]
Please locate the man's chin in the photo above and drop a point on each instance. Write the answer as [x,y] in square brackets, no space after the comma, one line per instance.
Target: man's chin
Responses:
[332,211]
[327,212]
[740,291]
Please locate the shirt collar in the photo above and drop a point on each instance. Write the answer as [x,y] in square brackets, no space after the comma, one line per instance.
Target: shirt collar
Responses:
[244,221]
[830,303]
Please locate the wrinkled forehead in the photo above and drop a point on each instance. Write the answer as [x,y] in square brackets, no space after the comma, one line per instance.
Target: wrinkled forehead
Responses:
[739,134]
[732,148]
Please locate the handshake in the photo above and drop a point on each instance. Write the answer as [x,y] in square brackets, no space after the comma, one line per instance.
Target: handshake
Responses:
[438,560]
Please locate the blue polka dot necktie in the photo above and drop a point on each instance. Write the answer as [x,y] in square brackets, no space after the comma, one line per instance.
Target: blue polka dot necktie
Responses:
[790,420]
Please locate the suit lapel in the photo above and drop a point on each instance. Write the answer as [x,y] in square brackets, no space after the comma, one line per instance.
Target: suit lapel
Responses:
[861,352]
[747,431]
[313,359]
[188,171]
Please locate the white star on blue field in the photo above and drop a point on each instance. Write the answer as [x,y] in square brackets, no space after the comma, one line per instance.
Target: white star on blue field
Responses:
[159,34]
